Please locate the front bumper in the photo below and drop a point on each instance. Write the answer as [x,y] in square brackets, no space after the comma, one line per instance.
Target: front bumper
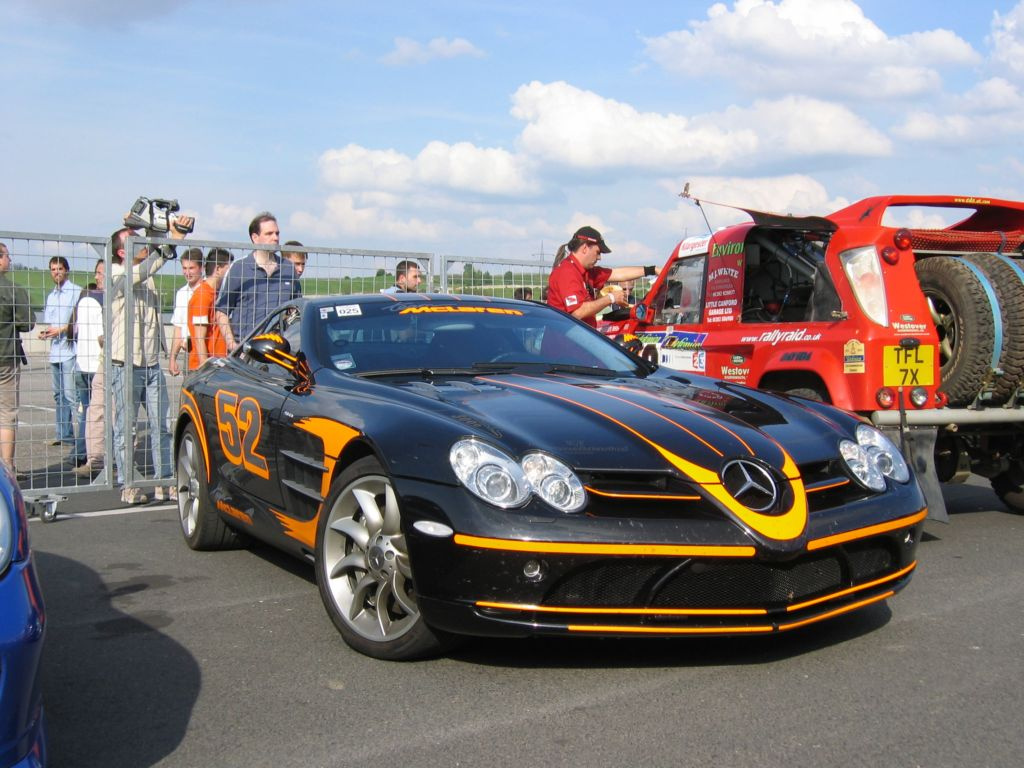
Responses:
[513,587]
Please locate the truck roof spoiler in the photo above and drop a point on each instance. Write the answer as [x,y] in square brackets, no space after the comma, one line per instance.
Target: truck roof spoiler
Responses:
[987,213]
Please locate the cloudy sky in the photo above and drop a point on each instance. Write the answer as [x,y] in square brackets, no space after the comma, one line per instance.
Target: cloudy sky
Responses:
[491,127]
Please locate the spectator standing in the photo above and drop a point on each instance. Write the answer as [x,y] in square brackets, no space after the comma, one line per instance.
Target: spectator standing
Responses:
[143,358]
[60,303]
[408,277]
[15,319]
[88,332]
[207,340]
[256,284]
[575,281]
[192,269]
[297,258]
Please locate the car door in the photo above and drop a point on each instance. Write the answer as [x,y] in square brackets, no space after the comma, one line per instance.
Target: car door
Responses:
[246,398]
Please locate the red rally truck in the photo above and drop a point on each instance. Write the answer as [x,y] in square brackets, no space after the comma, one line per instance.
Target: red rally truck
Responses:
[921,330]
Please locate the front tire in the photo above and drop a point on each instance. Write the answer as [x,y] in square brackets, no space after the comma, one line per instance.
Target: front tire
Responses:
[201,526]
[364,571]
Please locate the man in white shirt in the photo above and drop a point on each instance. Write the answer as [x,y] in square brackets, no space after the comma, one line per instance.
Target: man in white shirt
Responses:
[89,451]
[192,269]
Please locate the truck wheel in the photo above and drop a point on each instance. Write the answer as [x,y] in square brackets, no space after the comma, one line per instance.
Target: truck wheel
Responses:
[963,319]
[1009,289]
[1009,491]
[809,393]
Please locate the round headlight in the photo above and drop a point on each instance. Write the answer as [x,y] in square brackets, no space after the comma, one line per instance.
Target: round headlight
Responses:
[860,466]
[873,458]
[500,480]
[884,453]
[489,473]
[554,482]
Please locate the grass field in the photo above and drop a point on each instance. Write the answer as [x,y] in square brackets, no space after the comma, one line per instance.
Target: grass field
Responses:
[39,284]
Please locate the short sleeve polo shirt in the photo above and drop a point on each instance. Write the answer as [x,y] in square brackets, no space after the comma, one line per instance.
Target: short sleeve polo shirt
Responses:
[569,285]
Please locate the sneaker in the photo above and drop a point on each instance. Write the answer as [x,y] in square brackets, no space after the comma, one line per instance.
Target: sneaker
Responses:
[133,496]
[170,493]
[87,469]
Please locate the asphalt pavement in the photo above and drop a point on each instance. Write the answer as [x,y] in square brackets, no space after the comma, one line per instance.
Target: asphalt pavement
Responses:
[157,655]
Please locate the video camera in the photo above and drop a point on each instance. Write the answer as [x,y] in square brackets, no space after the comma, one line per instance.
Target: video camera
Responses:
[156,216]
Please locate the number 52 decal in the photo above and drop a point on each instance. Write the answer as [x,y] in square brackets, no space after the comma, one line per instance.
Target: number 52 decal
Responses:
[239,422]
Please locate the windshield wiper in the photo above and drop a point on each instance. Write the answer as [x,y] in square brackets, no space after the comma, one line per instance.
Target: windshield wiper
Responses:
[546,367]
[502,367]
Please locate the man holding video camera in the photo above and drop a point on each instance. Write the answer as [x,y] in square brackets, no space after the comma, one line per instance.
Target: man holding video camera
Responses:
[147,344]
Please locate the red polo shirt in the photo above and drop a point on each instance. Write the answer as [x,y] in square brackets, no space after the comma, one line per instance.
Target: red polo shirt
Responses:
[569,285]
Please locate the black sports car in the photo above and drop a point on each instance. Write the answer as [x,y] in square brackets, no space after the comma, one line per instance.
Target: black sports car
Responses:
[458,465]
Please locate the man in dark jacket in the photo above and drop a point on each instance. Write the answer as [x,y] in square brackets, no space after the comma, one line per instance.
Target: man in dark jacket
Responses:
[15,319]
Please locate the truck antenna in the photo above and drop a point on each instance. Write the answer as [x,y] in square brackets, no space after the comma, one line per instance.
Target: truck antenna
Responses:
[685,194]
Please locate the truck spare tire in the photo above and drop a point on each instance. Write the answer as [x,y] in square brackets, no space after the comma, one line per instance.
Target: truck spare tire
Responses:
[1009,288]
[963,314]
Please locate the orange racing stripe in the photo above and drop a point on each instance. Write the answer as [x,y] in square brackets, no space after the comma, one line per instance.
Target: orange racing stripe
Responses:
[626,611]
[871,530]
[197,418]
[570,548]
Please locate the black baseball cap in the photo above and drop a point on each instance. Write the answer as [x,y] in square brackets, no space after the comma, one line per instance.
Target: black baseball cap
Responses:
[591,235]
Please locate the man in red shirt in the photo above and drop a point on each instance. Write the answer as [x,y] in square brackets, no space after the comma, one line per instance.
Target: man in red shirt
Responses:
[207,340]
[575,283]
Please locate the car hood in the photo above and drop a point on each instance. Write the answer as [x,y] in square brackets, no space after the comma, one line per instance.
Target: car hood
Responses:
[628,423]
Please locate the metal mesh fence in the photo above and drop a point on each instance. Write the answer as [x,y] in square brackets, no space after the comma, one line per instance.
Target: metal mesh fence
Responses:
[91,392]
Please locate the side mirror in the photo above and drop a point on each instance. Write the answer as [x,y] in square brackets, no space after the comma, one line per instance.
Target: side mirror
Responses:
[268,347]
[274,349]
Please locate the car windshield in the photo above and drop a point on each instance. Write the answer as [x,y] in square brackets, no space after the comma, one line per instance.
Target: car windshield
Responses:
[461,335]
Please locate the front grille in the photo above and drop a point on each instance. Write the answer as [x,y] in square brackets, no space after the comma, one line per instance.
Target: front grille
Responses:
[716,583]
[649,495]
[828,486]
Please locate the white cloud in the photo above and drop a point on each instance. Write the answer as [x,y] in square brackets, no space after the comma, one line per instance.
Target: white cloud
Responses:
[800,126]
[460,167]
[577,128]
[227,217]
[1007,40]
[580,129]
[494,228]
[822,47]
[409,52]
[991,111]
[343,215]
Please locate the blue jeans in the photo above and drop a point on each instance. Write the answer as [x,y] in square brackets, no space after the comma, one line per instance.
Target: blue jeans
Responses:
[83,384]
[149,385]
[64,398]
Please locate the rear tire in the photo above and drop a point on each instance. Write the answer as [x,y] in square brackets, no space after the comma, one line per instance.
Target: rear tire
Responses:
[962,314]
[1010,491]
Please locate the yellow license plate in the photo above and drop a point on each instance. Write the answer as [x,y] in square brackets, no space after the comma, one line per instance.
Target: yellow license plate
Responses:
[908,367]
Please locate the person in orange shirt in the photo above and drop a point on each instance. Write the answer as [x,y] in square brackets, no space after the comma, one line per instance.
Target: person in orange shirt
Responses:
[207,340]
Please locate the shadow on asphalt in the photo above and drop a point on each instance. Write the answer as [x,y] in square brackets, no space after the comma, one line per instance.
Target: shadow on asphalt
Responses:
[117,691]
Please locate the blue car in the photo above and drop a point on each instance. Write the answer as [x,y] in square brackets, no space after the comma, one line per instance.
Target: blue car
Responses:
[22,626]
